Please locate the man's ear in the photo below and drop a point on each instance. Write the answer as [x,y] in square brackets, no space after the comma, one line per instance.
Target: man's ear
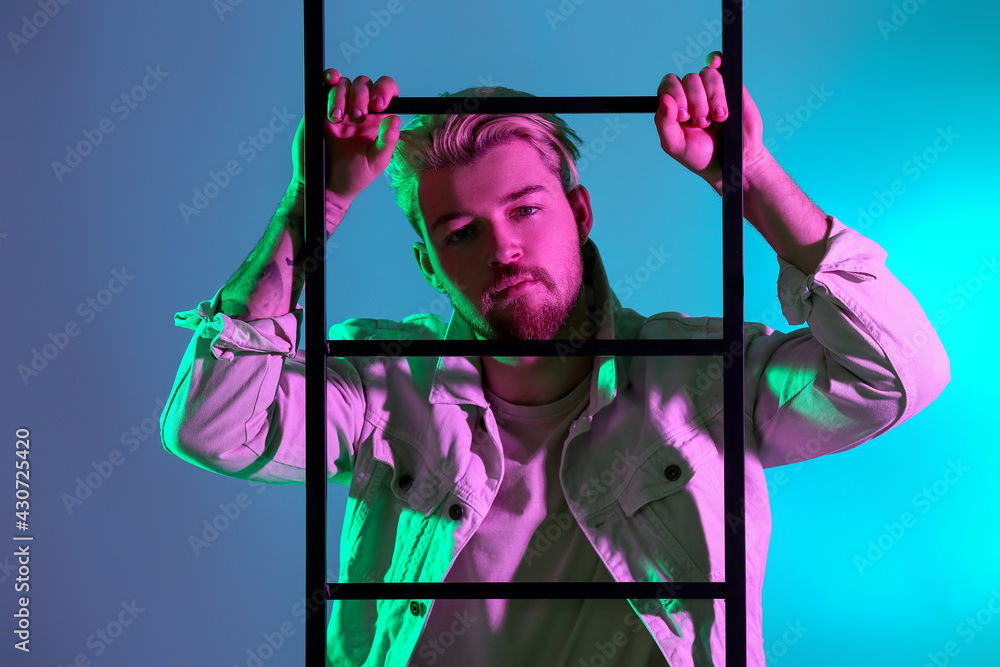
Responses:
[579,202]
[423,259]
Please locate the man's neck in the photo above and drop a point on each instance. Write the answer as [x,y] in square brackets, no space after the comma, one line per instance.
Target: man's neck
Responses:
[541,380]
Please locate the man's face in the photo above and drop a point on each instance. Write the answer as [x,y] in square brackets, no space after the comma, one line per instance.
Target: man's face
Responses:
[503,239]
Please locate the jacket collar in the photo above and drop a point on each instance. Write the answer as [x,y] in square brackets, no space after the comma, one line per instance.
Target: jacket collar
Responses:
[458,380]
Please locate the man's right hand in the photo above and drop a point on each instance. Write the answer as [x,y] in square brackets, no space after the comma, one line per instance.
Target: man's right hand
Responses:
[359,140]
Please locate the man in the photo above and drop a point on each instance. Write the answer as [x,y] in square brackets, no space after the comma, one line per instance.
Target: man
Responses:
[543,469]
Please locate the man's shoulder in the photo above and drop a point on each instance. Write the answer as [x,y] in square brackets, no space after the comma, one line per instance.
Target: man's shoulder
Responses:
[669,324]
[421,326]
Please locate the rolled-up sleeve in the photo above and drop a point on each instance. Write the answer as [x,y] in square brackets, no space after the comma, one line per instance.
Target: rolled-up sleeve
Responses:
[237,406]
[868,361]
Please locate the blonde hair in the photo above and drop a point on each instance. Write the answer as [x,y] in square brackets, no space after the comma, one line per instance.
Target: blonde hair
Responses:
[430,142]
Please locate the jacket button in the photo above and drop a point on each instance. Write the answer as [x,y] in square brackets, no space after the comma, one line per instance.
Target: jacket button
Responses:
[417,608]
[455,511]
[672,472]
[405,482]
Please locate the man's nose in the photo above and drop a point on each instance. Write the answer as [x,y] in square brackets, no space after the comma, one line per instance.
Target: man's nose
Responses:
[506,245]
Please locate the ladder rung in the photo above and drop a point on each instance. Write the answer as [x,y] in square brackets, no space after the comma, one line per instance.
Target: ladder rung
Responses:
[542,590]
[524,348]
[496,105]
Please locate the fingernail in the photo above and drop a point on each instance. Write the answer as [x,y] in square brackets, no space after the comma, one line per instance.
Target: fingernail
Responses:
[377,103]
[355,114]
[337,115]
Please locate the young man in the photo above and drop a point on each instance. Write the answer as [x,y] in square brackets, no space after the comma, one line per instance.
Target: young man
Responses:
[543,469]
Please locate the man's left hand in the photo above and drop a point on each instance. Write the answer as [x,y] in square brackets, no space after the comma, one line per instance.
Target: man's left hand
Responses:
[689,122]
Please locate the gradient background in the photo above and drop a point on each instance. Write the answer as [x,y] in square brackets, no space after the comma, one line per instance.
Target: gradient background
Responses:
[889,94]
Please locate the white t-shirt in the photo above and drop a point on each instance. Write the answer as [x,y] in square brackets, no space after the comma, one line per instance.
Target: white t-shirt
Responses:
[529,534]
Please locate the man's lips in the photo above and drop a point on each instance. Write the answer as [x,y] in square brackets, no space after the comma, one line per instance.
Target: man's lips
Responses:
[517,288]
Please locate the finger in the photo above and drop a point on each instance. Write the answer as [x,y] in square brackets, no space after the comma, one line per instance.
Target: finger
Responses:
[715,90]
[384,90]
[388,134]
[331,77]
[697,99]
[357,99]
[714,59]
[336,101]
[671,134]
[671,85]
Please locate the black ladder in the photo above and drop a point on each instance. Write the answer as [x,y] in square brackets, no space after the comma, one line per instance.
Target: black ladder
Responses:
[733,590]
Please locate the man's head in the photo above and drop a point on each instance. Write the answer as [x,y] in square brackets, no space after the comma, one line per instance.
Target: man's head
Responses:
[496,200]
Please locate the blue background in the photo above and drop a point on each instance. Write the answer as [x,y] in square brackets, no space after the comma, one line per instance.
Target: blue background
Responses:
[889,89]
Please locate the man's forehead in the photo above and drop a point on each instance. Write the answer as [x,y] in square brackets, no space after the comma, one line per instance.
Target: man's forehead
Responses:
[492,178]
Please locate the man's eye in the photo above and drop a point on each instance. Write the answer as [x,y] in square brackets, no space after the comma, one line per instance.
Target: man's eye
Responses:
[526,211]
[458,235]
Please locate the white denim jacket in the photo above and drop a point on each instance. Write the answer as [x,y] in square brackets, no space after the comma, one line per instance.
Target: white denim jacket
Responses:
[641,468]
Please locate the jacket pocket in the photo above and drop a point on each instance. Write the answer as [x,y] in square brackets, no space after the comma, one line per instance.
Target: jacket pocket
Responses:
[673,505]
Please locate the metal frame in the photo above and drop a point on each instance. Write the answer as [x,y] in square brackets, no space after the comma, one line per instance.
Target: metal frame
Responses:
[733,590]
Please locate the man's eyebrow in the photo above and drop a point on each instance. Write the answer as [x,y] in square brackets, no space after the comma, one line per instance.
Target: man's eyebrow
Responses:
[506,199]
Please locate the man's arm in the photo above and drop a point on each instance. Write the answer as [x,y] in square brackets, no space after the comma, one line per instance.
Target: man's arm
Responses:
[269,282]
[236,404]
[788,220]
[689,123]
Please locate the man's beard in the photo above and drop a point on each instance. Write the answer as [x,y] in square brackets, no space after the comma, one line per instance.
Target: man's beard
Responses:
[517,318]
